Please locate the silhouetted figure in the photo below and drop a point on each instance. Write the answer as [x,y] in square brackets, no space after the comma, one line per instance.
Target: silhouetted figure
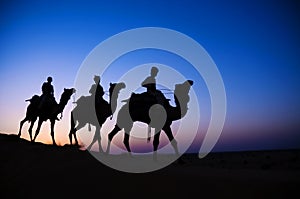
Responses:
[47,87]
[47,96]
[158,118]
[87,113]
[97,89]
[100,103]
[150,81]
[150,84]
[44,113]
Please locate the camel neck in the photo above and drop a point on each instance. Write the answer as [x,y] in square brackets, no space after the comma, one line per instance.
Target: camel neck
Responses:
[62,103]
[113,99]
[180,110]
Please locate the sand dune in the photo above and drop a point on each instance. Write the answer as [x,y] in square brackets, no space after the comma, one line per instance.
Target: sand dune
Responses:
[37,170]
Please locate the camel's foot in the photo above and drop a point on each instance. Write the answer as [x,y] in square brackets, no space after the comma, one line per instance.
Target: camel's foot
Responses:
[101,151]
[34,138]
[180,161]
[130,155]
[105,154]
[30,135]
[88,148]
[74,144]
[107,148]
[155,157]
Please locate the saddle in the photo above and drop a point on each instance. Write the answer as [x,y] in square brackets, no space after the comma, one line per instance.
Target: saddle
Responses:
[89,100]
[34,100]
[146,97]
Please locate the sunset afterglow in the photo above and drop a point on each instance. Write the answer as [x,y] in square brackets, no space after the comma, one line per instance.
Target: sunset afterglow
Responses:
[254,44]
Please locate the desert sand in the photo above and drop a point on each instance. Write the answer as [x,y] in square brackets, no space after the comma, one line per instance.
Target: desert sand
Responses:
[35,170]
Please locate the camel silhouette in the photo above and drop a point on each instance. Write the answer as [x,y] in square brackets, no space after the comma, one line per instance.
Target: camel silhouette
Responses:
[85,113]
[144,108]
[47,111]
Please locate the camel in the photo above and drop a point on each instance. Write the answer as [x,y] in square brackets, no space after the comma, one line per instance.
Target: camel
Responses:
[85,113]
[44,113]
[139,107]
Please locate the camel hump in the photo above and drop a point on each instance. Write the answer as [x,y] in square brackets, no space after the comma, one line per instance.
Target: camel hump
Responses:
[138,97]
[34,99]
[90,100]
[82,100]
[147,97]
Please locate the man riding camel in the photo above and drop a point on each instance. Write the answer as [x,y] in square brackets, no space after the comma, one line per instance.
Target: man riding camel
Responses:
[150,84]
[97,90]
[47,96]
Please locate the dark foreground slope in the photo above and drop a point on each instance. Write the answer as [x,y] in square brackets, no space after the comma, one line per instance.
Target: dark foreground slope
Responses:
[35,170]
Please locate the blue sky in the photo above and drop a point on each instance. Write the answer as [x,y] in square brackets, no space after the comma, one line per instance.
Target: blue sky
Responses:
[255,45]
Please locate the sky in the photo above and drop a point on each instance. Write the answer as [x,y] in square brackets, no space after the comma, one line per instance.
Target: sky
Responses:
[254,44]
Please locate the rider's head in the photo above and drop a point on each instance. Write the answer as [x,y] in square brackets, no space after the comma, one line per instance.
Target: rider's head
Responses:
[49,79]
[97,79]
[154,71]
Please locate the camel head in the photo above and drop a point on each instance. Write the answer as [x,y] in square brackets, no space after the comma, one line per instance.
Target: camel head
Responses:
[184,88]
[68,92]
[114,90]
[116,87]
[182,92]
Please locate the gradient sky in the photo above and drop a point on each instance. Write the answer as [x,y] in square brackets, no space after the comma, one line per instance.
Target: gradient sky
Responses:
[255,45]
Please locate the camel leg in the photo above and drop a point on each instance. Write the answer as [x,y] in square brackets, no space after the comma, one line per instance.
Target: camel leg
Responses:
[30,130]
[149,134]
[97,137]
[171,138]
[21,125]
[111,136]
[72,129]
[126,139]
[52,124]
[78,127]
[156,143]
[31,127]
[99,140]
[38,129]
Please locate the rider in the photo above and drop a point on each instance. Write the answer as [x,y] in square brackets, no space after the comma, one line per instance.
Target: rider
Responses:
[47,92]
[97,89]
[150,84]
[150,81]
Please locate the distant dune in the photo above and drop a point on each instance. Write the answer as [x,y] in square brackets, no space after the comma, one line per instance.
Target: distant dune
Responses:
[36,170]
